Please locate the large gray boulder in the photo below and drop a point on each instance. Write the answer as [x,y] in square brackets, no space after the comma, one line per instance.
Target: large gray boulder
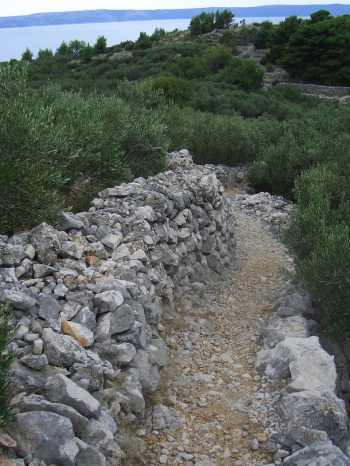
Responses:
[148,371]
[122,319]
[89,456]
[69,221]
[60,389]
[62,350]
[309,411]
[294,304]
[278,329]
[46,242]
[49,310]
[301,359]
[18,299]
[108,301]
[318,454]
[47,436]
[40,403]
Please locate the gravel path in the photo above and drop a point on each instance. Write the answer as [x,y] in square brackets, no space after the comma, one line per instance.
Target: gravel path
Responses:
[225,408]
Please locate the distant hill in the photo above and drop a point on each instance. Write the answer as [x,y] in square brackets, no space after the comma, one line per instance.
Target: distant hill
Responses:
[104,16]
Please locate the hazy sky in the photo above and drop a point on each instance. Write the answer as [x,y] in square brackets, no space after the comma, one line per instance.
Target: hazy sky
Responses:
[19,7]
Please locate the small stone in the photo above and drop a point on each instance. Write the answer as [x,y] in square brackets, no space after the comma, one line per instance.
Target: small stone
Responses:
[254,445]
[108,301]
[21,331]
[6,441]
[35,362]
[69,221]
[30,337]
[38,347]
[60,291]
[112,241]
[49,310]
[81,334]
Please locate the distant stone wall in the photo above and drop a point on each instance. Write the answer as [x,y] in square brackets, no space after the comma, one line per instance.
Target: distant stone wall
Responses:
[88,298]
[315,89]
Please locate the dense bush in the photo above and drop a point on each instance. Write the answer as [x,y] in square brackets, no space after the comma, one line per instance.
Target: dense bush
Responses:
[58,149]
[175,89]
[211,138]
[5,362]
[320,236]
[289,148]
[245,74]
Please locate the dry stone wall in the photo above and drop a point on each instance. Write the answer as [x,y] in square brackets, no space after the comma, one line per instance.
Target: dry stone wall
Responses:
[88,298]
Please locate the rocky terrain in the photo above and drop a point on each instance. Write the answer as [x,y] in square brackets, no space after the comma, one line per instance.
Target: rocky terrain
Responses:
[165,326]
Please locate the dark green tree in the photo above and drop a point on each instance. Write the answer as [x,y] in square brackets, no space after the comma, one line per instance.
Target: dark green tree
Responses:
[76,48]
[144,41]
[318,51]
[158,34]
[320,15]
[265,35]
[45,55]
[63,50]
[223,19]
[202,24]
[27,55]
[101,44]
[87,53]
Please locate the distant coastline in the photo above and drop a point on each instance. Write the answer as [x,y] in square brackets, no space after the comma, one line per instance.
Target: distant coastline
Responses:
[105,16]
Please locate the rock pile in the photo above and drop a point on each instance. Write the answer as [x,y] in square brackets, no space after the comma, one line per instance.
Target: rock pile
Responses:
[314,423]
[274,211]
[88,298]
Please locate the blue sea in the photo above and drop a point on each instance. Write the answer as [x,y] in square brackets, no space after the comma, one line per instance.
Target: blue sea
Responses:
[14,41]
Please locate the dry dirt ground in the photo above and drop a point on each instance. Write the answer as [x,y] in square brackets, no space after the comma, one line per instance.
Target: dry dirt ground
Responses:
[225,407]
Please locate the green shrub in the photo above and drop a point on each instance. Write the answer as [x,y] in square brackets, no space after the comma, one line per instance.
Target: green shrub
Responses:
[190,67]
[217,58]
[245,74]
[58,149]
[175,89]
[5,362]
[320,236]
[211,138]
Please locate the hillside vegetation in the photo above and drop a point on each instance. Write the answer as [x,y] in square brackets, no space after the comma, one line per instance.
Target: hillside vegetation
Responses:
[85,117]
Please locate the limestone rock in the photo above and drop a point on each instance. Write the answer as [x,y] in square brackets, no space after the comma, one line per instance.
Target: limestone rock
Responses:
[318,454]
[312,410]
[18,299]
[49,310]
[108,301]
[301,359]
[62,350]
[39,403]
[60,389]
[122,319]
[278,329]
[46,242]
[69,221]
[47,436]
[80,333]
[148,372]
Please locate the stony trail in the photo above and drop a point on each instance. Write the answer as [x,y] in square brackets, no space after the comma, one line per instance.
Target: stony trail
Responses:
[224,406]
